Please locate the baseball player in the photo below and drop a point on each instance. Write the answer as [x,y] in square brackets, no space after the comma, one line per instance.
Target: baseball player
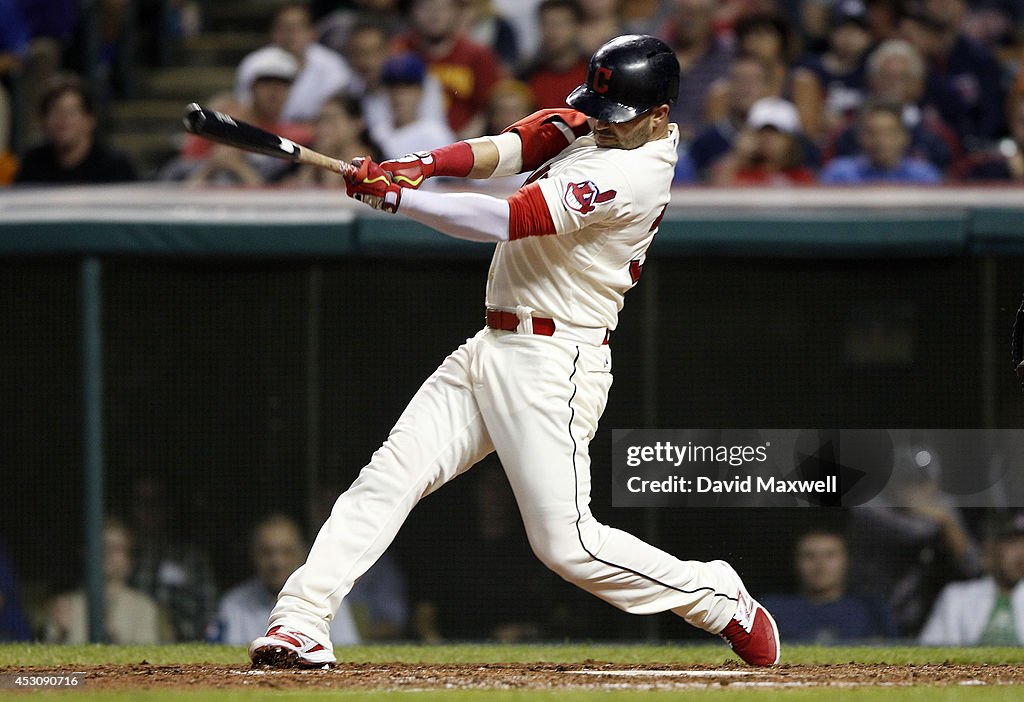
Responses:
[533,382]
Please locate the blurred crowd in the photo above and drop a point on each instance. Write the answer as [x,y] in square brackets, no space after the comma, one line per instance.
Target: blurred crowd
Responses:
[773,92]
[911,567]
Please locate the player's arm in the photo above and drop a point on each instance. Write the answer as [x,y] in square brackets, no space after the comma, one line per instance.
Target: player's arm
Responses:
[543,208]
[522,147]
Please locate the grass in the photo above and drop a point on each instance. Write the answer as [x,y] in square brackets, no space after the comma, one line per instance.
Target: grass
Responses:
[64,658]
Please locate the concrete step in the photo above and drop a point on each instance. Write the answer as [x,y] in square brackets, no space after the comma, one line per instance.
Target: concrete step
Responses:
[132,115]
[226,48]
[150,151]
[237,15]
[188,83]
[151,115]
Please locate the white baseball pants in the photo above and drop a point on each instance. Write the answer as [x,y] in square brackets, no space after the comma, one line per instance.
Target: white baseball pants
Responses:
[535,400]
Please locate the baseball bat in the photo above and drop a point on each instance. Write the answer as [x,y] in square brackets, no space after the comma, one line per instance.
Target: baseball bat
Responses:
[225,129]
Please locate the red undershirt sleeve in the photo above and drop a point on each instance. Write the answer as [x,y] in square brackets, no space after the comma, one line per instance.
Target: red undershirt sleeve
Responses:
[529,214]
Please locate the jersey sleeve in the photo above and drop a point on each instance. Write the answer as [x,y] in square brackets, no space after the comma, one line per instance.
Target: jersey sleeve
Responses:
[590,192]
[582,196]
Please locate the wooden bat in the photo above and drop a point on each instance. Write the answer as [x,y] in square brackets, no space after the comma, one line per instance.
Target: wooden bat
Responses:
[225,129]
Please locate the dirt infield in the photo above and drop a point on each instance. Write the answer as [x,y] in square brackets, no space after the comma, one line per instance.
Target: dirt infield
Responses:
[590,674]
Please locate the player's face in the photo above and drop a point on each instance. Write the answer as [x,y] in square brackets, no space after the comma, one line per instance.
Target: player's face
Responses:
[631,134]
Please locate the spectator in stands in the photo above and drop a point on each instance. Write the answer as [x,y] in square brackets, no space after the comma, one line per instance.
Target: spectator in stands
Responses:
[8,161]
[277,550]
[522,15]
[988,611]
[964,78]
[746,83]
[1006,162]
[131,616]
[484,25]
[883,158]
[645,16]
[704,61]
[13,625]
[14,38]
[71,152]
[840,69]
[896,73]
[767,36]
[169,566]
[336,22]
[767,151]
[403,77]
[367,52]
[466,70]
[910,540]
[274,72]
[559,65]
[991,22]
[824,612]
[322,72]
[601,22]
[511,101]
[883,18]
[51,25]
[340,131]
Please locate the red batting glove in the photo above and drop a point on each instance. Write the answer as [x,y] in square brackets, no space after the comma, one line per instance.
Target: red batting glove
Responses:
[410,171]
[455,160]
[373,185]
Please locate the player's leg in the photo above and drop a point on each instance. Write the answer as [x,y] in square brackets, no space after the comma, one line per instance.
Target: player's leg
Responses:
[556,394]
[439,435]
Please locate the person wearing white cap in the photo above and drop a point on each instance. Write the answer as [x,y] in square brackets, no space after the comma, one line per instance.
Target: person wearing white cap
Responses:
[767,151]
[273,72]
[321,72]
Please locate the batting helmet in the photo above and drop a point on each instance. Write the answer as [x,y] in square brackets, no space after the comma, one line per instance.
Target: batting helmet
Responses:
[626,77]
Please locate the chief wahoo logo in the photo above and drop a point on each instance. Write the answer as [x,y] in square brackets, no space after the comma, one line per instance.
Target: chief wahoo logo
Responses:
[585,197]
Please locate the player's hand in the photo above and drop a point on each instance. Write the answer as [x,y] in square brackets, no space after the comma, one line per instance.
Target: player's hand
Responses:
[373,185]
[410,171]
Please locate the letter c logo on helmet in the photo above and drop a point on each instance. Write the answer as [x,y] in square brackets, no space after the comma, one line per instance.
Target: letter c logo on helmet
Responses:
[602,75]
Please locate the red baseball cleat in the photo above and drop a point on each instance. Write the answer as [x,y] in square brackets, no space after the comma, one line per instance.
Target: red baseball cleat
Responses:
[288,648]
[752,633]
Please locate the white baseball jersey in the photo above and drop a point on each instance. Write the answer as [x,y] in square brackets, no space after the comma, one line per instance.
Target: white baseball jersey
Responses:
[606,205]
[535,400]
